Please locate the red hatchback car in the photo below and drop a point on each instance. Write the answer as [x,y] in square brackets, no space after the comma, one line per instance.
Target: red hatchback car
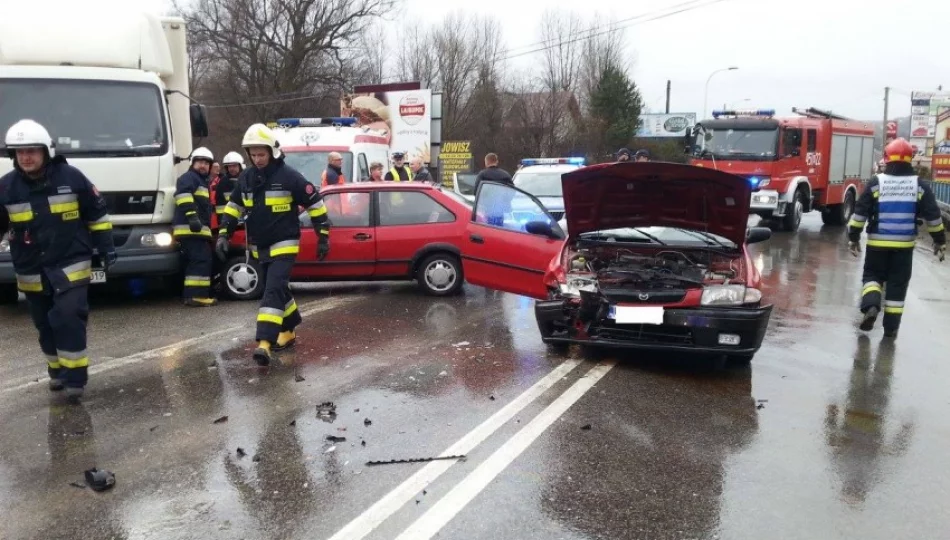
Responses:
[655,258]
[380,231]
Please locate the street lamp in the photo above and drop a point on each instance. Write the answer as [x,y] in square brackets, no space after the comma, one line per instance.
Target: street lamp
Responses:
[706,96]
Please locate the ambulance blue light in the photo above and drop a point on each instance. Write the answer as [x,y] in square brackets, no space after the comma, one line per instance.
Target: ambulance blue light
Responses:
[317,122]
[745,112]
[552,161]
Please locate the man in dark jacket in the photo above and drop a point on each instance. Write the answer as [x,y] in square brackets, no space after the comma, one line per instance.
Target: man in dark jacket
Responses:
[55,217]
[269,193]
[419,172]
[492,172]
[233,165]
[192,228]
[889,206]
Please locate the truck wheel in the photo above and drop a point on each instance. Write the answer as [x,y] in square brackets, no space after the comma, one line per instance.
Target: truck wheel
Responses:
[440,274]
[9,295]
[839,214]
[242,280]
[793,217]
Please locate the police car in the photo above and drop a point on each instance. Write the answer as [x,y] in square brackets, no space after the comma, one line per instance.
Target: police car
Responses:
[541,177]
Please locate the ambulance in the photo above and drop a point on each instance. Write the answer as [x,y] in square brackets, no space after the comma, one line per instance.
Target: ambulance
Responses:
[307,143]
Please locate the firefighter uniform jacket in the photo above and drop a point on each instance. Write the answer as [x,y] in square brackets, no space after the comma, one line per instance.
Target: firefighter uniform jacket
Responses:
[222,193]
[54,225]
[889,206]
[192,198]
[270,197]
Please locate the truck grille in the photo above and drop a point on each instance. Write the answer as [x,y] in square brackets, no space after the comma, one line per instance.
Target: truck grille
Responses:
[131,202]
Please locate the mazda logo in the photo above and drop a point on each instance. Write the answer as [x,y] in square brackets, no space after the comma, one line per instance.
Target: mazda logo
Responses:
[644,297]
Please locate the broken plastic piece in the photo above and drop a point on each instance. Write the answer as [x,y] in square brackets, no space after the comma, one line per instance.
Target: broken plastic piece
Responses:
[221,420]
[335,439]
[587,427]
[367,422]
[100,479]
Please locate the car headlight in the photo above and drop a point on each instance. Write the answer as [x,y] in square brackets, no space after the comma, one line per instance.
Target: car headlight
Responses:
[162,239]
[574,286]
[730,295]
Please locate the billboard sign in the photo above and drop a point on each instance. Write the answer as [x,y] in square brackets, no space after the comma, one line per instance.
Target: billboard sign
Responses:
[455,157]
[665,125]
[405,116]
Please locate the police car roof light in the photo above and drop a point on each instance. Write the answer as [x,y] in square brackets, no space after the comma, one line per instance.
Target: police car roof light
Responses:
[317,122]
[768,113]
[552,161]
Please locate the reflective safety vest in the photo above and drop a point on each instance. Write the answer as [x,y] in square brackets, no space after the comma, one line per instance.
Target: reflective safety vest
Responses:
[896,198]
[395,172]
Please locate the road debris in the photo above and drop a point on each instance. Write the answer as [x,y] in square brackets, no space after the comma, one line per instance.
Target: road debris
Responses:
[328,450]
[240,452]
[461,344]
[326,411]
[492,398]
[292,423]
[363,443]
[335,439]
[221,420]
[414,460]
[257,458]
[99,479]
[367,422]
[79,485]
[587,427]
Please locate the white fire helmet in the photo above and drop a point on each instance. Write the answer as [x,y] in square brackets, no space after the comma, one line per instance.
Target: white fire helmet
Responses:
[233,158]
[202,153]
[261,135]
[28,134]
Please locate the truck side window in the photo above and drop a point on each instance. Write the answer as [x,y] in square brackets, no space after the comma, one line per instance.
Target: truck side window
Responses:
[792,145]
[812,140]
[364,167]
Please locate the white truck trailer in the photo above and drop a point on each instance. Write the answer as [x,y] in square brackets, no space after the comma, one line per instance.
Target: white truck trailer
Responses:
[112,91]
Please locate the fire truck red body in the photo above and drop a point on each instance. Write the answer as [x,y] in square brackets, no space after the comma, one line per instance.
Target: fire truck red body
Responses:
[815,161]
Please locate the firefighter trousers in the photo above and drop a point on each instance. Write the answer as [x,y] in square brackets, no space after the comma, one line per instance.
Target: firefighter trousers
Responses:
[198,265]
[887,274]
[278,312]
[61,319]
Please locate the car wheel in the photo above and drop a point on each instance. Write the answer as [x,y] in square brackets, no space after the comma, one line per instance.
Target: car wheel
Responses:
[241,279]
[9,295]
[440,274]
[793,217]
[839,214]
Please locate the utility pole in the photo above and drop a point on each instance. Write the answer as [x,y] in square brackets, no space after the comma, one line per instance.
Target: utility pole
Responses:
[667,97]
[887,97]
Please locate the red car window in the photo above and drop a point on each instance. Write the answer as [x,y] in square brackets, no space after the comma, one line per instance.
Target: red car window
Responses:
[411,208]
[348,209]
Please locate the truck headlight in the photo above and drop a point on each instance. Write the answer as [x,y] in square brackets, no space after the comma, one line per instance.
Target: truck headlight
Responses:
[162,239]
[730,295]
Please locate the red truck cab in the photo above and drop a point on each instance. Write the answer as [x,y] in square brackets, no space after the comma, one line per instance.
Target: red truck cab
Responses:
[815,161]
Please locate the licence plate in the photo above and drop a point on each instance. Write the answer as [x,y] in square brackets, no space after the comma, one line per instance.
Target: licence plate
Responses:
[636,314]
[98,276]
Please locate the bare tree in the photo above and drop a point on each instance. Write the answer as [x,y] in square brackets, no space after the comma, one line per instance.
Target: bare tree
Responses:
[601,48]
[562,50]
[372,56]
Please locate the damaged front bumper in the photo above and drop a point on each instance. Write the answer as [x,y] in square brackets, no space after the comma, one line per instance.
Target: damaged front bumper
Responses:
[712,330]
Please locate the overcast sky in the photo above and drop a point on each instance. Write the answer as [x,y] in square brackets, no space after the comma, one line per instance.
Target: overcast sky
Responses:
[832,54]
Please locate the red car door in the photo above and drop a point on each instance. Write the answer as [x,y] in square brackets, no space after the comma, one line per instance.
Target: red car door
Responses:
[352,240]
[499,252]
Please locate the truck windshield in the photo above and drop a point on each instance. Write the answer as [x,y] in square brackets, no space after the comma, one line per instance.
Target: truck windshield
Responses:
[539,184]
[91,118]
[738,144]
[312,164]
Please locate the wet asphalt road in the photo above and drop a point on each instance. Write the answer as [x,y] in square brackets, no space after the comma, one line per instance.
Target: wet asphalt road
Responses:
[826,435]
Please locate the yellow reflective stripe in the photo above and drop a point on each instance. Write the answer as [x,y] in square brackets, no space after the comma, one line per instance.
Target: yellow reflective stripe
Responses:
[290,250]
[74,364]
[197,281]
[322,211]
[870,289]
[78,271]
[184,198]
[892,243]
[248,202]
[20,212]
[290,309]
[877,194]
[29,283]
[893,310]
[202,192]
[270,315]
[52,361]
[935,228]
[920,195]
[325,232]
[62,208]
[856,224]
[274,201]
[233,210]
[102,224]
[221,209]
[185,230]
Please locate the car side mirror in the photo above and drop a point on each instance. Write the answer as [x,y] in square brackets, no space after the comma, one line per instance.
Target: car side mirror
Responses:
[541,228]
[757,234]
[199,120]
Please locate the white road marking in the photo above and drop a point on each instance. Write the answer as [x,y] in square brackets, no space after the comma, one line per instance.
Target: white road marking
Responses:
[108,365]
[429,524]
[369,520]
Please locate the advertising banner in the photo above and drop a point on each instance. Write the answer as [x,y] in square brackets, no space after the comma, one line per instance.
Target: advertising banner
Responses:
[920,125]
[406,116]
[665,125]
[454,157]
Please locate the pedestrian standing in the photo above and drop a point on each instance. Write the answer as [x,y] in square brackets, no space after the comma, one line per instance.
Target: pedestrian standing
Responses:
[399,172]
[192,228]
[268,193]
[889,207]
[419,172]
[55,217]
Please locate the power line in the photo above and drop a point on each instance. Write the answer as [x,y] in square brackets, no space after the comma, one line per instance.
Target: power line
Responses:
[268,102]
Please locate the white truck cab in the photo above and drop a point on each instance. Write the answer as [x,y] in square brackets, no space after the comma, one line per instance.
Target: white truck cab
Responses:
[112,93]
[307,143]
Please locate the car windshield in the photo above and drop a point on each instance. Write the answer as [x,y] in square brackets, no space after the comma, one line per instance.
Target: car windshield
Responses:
[93,118]
[739,143]
[312,164]
[671,236]
[465,183]
[539,184]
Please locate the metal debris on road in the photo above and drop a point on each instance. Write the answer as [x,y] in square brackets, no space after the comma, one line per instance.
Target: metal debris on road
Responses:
[335,439]
[221,420]
[414,460]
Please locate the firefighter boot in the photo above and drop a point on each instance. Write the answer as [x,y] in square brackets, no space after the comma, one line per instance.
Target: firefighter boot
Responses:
[262,355]
[201,302]
[56,385]
[74,394]
[285,340]
[870,317]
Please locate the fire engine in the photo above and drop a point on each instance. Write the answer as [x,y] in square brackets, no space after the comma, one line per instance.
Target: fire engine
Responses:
[815,161]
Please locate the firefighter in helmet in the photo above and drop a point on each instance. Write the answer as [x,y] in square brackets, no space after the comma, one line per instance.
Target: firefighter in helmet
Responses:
[192,228]
[269,192]
[233,164]
[55,217]
[889,207]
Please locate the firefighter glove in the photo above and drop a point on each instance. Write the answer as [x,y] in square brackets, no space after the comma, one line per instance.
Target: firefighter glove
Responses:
[221,247]
[940,250]
[323,246]
[109,260]
[194,223]
[855,248]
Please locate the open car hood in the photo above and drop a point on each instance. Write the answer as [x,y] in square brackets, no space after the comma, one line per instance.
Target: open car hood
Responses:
[631,194]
